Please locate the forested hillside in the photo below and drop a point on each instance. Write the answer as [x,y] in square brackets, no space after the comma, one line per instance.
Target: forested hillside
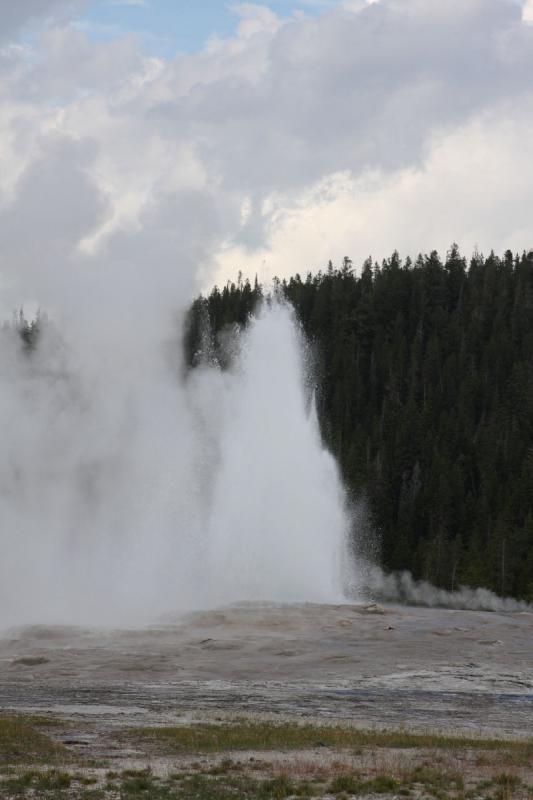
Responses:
[425,396]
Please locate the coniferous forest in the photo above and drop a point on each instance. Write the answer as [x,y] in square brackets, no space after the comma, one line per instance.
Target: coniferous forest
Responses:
[425,396]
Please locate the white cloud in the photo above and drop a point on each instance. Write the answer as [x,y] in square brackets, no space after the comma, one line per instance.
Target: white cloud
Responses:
[15,15]
[294,141]
[475,179]
[140,3]
[255,19]
[527,13]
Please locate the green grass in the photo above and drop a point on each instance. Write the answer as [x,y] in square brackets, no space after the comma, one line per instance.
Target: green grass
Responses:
[32,765]
[353,784]
[18,784]
[20,742]
[143,785]
[430,782]
[52,781]
[202,787]
[207,738]
[435,781]
[49,785]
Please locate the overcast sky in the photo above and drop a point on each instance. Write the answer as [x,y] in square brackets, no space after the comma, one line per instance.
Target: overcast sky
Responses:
[212,138]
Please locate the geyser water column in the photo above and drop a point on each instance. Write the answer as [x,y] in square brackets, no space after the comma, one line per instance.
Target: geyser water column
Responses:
[278,521]
[126,492]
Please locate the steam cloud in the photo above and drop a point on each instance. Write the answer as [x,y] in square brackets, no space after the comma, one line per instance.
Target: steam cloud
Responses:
[403,588]
[126,492]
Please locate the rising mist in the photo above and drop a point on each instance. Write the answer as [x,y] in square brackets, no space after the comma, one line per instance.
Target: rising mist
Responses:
[127,490]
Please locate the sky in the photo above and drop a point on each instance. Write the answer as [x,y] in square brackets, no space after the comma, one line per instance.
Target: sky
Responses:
[171,26]
[212,138]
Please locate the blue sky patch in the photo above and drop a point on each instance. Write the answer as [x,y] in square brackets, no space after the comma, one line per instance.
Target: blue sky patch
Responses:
[170,26]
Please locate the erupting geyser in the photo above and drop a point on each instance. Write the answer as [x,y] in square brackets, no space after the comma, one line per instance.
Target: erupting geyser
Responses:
[278,524]
[126,492]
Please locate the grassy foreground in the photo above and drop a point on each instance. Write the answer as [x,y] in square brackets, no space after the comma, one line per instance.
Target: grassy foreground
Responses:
[245,735]
[263,761]
[22,741]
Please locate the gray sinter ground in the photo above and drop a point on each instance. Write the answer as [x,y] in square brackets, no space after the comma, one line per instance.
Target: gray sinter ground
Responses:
[459,671]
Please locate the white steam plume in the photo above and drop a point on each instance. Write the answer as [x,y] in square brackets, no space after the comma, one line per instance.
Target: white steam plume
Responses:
[126,492]
[403,588]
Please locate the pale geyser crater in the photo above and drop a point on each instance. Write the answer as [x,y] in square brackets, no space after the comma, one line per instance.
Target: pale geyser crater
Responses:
[180,548]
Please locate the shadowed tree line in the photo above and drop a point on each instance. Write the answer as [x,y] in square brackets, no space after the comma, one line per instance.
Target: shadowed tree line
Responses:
[425,396]
[27,330]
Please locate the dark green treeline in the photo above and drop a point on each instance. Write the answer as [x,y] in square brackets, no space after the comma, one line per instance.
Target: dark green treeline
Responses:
[426,399]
